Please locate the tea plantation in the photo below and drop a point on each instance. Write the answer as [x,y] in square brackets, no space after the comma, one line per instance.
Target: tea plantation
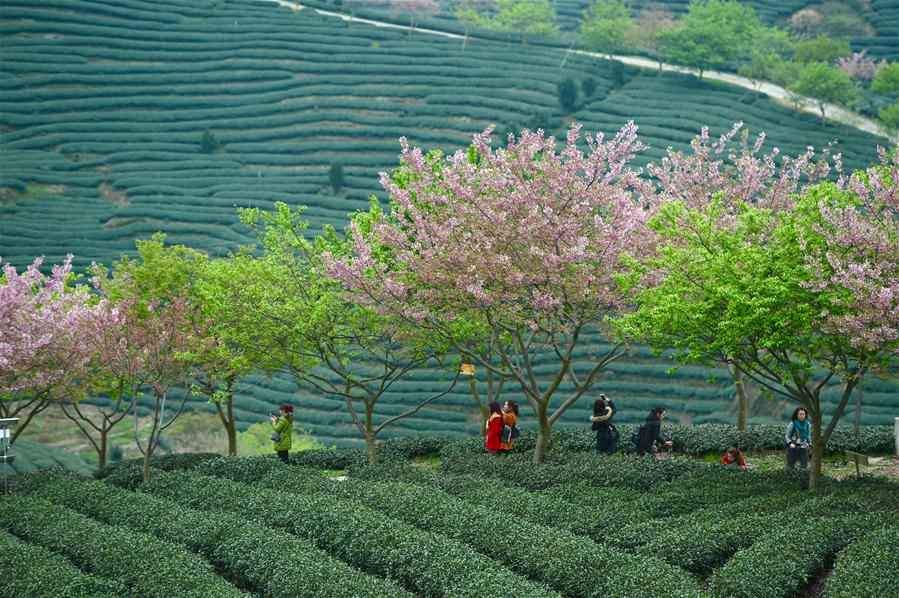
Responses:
[120,118]
[578,525]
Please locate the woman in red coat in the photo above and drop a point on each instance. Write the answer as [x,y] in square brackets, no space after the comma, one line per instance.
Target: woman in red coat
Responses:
[494,427]
[733,456]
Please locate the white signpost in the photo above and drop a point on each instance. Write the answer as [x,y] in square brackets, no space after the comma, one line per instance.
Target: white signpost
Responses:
[6,425]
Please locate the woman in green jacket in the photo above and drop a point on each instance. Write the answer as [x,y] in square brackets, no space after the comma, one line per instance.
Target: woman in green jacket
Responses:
[283,429]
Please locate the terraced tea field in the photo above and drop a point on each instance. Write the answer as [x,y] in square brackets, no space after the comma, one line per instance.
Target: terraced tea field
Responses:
[104,104]
[581,526]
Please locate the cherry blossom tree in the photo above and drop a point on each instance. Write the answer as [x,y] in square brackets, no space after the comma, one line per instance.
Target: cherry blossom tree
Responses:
[798,290]
[514,251]
[43,357]
[416,9]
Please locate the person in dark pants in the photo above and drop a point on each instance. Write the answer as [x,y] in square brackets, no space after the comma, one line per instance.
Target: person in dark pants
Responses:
[603,412]
[282,431]
[651,435]
[798,438]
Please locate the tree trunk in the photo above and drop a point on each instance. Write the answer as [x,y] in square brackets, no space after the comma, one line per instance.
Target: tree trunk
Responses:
[147,463]
[543,429]
[370,438]
[101,452]
[231,428]
[858,408]
[473,384]
[814,478]
[741,398]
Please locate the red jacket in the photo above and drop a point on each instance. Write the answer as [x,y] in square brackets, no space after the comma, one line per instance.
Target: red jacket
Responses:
[494,431]
[739,460]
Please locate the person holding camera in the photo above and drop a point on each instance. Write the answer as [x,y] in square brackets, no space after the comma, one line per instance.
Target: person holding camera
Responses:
[798,438]
[606,434]
[510,420]
[282,431]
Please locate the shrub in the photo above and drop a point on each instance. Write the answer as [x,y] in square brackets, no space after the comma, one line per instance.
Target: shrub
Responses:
[568,95]
[150,566]
[867,567]
[268,561]
[353,533]
[588,86]
[174,462]
[781,562]
[335,177]
[329,458]
[208,142]
[33,571]
[586,570]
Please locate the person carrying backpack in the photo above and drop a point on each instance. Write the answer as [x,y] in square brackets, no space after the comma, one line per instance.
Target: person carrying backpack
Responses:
[510,427]
[606,433]
[494,427]
[650,432]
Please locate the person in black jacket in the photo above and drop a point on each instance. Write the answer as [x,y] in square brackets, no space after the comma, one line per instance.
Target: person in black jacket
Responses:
[603,411]
[651,434]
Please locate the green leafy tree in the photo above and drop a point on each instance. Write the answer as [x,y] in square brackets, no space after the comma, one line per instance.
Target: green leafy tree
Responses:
[335,177]
[605,27]
[524,18]
[766,57]
[648,35]
[208,142]
[471,14]
[889,117]
[886,81]
[300,319]
[588,86]
[825,84]
[796,294]
[821,49]
[712,34]
[568,95]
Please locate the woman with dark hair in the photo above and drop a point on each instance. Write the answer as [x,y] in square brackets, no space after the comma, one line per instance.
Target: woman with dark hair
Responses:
[510,419]
[798,438]
[282,431]
[733,456]
[651,434]
[494,427]
[603,412]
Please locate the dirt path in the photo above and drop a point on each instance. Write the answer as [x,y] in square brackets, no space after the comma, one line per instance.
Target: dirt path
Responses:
[834,113]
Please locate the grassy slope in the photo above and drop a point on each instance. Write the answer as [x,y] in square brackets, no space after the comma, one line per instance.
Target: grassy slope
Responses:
[104,103]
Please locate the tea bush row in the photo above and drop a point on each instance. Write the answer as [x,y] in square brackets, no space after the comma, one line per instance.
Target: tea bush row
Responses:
[150,566]
[867,567]
[781,562]
[587,569]
[34,571]
[425,563]
[269,561]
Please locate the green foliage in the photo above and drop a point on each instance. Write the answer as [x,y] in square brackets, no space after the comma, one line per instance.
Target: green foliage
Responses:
[355,534]
[780,563]
[524,17]
[712,34]
[867,567]
[568,95]
[149,565]
[821,49]
[34,571]
[588,87]
[605,26]
[241,549]
[889,117]
[256,440]
[825,83]
[587,568]
[31,455]
[208,142]
[336,177]
[886,81]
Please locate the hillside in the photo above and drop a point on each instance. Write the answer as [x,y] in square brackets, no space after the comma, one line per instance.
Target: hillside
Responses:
[104,105]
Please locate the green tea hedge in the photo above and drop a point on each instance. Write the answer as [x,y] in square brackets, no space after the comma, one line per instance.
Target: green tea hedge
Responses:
[148,565]
[425,563]
[268,561]
[867,567]
[34,571]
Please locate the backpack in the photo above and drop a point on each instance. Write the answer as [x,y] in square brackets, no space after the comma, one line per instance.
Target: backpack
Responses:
[637,434]
[509,434]
[614,434]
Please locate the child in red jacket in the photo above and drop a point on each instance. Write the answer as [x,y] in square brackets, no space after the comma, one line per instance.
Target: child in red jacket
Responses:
[494,427]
